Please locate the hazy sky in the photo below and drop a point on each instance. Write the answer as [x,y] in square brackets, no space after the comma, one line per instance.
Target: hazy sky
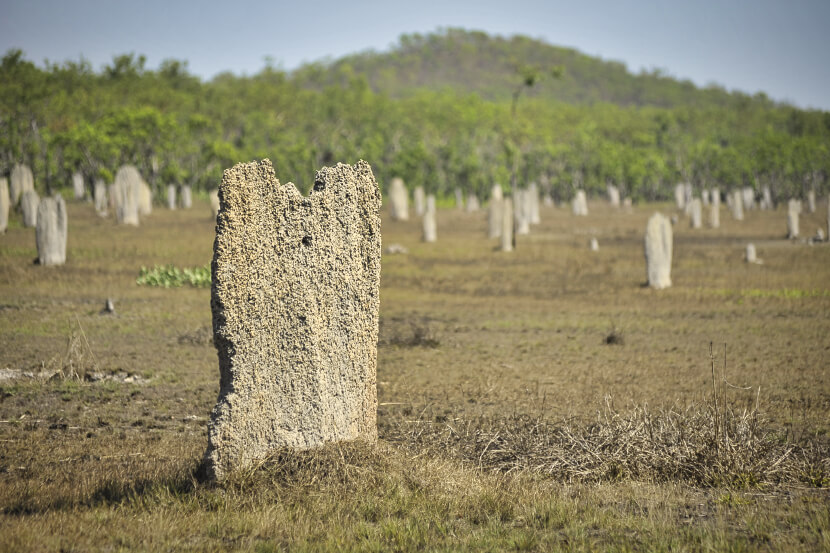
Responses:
[779,47]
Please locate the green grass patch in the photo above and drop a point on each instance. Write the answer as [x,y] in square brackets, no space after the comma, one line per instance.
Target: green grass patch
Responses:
[11,251]
[169,276]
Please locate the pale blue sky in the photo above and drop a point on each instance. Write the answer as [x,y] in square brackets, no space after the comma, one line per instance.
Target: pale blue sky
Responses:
[781,48]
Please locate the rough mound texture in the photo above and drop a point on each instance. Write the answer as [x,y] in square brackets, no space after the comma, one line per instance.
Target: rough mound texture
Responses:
[613,195]
[687,198]
[737,205]
[506,244]
[100,196]
[127,188]
[28,205]
[494,214]
[78,187]
[398,200]
[658,251]
[496,192]
[5,200]
[295,299]
[521,211]
[792,224]
[430,227]
[793,211]
[533,198]
[714,214]
[748,198]
[187,198]
[21,181]
[50,233]
[580,203]
[419,199]
[680,196]
[214,202]
[696,214]
[766,200]
[145,199]
[751,255]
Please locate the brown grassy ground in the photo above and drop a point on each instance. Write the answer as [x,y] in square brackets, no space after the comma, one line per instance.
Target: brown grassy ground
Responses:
[506,420]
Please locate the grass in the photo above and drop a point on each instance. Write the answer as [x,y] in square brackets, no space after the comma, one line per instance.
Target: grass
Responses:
[697,445]
[169,276]
[786,293]
[507,422]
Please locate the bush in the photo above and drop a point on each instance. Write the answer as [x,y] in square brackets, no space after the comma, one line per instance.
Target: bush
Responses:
[168,276]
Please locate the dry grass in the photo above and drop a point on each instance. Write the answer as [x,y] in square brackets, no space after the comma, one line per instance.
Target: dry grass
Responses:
[689,445]
[407,332]
[507,422]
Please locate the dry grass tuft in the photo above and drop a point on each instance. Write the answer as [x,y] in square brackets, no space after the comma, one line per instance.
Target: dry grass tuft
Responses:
[342,464]
[697,445]
[410,331]
[201,336]
[78,360]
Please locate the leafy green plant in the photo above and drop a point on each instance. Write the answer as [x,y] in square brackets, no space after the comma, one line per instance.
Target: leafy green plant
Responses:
[169,276]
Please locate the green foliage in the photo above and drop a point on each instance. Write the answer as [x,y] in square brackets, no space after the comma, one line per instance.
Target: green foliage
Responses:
[437,110]
[475,62]
[169,276]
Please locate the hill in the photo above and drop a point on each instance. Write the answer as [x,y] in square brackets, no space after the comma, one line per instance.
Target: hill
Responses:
[492,66]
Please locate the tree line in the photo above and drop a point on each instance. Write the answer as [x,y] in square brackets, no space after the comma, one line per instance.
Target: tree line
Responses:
[177,129]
